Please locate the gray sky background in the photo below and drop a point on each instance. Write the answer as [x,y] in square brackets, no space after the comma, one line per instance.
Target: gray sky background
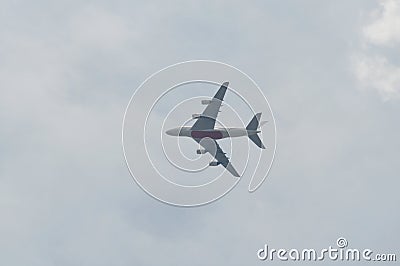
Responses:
[331,71]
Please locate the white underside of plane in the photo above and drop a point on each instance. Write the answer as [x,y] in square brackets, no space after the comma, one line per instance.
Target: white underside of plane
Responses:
[204,132]
[217,133]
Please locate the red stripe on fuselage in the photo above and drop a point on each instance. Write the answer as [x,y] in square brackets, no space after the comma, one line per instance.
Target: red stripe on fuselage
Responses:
[204,134]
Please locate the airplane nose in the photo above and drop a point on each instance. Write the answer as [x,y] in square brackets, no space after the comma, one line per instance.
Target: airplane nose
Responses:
[171,132]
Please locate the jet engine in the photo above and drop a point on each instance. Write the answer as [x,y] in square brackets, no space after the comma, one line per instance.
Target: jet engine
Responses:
[201,151]
[214,163]
[205,102]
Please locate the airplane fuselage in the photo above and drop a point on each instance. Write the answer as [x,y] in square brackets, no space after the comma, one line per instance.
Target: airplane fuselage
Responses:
[216,133]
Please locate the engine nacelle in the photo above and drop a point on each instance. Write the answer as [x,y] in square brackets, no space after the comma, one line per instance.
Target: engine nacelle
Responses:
[214,163]
[205,102]
[196,116]
[201,151]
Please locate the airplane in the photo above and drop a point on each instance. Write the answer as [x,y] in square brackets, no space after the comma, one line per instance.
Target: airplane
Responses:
[205,133]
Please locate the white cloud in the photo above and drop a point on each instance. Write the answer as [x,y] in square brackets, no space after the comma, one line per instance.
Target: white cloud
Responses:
[385,29]
[378,73]
[371,68]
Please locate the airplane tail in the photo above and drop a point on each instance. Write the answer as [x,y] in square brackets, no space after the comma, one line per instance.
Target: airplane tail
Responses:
[252,127]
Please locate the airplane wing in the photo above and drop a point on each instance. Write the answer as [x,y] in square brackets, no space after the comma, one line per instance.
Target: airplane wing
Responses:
[207,118]
[212,147]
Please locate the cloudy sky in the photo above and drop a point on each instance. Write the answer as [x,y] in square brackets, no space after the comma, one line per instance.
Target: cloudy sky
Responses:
[331,71]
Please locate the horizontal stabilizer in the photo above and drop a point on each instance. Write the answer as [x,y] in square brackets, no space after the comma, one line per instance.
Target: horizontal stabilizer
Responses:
[253,125]
[256,139]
